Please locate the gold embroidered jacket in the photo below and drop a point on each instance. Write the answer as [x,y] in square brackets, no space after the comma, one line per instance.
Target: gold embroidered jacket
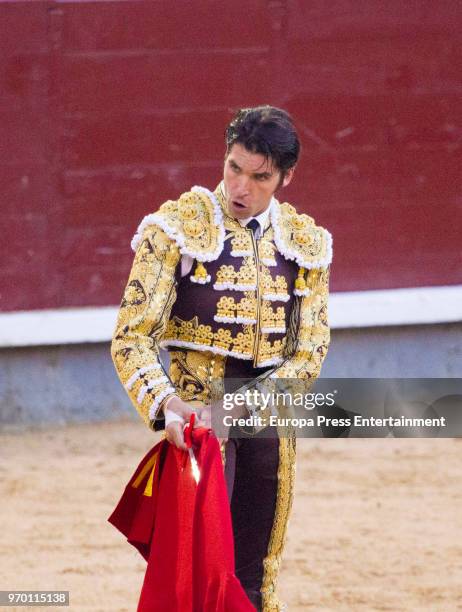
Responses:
[262,301]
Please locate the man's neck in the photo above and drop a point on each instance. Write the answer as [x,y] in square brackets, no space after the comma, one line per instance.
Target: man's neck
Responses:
[259,216]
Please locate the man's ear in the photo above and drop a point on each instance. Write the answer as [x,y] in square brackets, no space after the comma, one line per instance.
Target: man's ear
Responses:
[288,177]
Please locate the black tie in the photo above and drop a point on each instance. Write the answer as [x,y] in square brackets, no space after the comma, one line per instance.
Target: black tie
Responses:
[253,225]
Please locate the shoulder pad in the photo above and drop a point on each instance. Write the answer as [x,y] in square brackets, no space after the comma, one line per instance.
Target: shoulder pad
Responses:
[298,238]
[194,222]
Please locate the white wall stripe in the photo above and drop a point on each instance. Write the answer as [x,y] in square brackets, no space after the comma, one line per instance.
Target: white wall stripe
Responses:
[411,306]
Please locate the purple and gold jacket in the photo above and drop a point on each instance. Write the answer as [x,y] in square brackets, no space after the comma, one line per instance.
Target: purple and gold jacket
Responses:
[260,301]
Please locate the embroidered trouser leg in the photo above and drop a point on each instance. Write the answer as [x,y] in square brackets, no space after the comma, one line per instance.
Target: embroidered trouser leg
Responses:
[260,506]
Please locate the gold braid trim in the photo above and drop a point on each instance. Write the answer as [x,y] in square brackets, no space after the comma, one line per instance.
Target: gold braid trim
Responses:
[285,493]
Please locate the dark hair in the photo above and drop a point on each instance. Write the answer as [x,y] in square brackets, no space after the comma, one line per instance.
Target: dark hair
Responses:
[266,130]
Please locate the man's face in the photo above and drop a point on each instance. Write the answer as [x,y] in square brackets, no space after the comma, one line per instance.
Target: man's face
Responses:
[250,182]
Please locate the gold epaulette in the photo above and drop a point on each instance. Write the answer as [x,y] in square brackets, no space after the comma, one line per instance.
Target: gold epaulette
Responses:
[194,222]
[298,238]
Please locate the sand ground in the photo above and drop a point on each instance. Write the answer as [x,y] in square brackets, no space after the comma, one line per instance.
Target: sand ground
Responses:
[376,524]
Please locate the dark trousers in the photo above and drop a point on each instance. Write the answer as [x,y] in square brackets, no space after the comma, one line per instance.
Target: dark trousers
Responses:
[251,468]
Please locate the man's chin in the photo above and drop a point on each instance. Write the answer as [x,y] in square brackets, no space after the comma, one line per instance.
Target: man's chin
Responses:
[238,212]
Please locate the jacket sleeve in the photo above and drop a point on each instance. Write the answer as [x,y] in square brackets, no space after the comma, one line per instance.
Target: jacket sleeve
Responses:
[142,319]
[310,335]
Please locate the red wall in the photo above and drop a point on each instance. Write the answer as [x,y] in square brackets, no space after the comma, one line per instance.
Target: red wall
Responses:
[109,108]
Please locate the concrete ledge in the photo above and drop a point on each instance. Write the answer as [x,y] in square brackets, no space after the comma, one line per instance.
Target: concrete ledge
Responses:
[50,385]
[352,309]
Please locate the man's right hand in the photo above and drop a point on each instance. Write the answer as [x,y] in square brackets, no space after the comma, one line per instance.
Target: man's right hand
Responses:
[174,431]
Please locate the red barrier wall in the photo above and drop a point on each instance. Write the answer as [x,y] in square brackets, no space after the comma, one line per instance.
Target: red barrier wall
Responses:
[109,108]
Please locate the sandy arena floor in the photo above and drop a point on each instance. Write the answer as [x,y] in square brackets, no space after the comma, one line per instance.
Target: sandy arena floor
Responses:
[376,525]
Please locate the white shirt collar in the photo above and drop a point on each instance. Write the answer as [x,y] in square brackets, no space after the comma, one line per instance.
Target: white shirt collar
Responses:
[262,219]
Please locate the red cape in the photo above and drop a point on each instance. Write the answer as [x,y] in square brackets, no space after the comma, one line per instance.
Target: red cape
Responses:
[183,530]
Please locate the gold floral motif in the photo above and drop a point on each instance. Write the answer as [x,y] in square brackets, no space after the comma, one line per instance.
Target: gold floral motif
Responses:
[276,286]
[134,294]
[243,342]
[204,334]
[193,228]
[266,282]
[247,275]
[247,308]
[242,280]
[272,317]
[195,373]
[297,221]
[188,330]
[187,384]
[241,242]
[172,329]
[266,251]
[268,351]
[303,238]
[223,339]
[280,284]
[241,345]
[225,276]
[226,307]
[188,212]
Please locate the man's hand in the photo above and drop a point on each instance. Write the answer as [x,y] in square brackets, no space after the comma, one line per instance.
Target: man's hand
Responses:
[205,416]
[174,431]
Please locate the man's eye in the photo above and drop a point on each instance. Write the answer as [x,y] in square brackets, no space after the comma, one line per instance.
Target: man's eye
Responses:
[262,177]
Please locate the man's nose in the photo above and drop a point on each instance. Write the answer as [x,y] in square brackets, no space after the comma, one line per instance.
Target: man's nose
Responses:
[244,186]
